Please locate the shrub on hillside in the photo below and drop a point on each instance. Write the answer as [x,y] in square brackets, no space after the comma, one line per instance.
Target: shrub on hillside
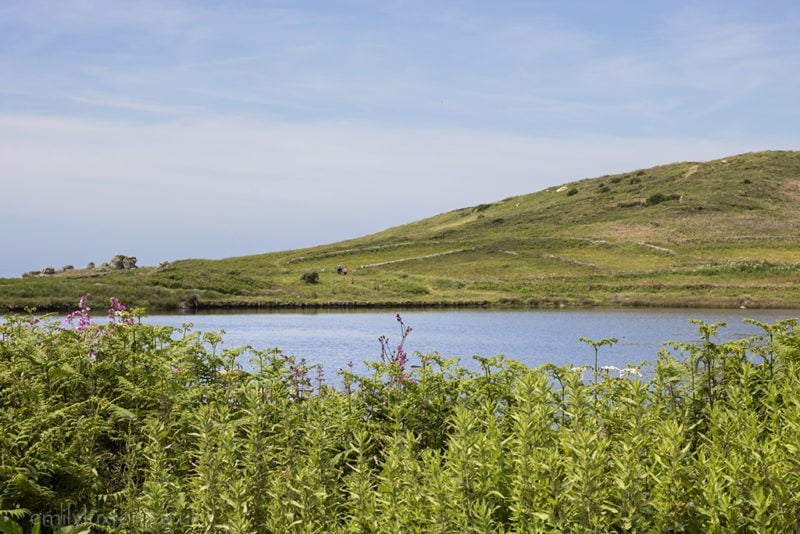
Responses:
[658,198]
[310,277]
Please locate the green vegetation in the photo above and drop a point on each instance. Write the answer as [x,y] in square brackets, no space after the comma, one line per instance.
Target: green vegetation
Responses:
[658,198]
[126,427]
[310,277]
[673,235]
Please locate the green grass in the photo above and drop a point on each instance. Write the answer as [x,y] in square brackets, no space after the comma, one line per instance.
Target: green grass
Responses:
[679,234]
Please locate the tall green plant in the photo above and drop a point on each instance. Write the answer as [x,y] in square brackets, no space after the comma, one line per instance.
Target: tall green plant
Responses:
[138,428]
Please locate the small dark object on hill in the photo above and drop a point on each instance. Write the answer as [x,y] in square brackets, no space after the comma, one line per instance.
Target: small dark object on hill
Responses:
[658,198]
[310,277]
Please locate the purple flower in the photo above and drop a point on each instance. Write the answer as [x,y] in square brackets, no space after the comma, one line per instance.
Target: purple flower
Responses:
[115,309]
[81,314]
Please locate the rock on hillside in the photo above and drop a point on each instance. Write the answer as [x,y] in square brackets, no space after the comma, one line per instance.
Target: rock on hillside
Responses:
[118,262]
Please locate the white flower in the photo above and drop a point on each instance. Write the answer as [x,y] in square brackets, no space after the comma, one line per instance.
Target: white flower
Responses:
[628,371]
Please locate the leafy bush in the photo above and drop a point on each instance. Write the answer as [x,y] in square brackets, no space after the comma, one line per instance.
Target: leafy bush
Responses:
[658,198]
[131,427]
[572,191]
[310,277]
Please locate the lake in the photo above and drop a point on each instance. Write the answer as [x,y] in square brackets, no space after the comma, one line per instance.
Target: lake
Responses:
[533,337]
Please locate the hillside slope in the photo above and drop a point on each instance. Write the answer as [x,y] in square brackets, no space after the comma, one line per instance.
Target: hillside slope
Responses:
[717,233]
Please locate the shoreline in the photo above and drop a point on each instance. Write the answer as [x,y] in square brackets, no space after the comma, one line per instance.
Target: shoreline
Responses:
[546,303]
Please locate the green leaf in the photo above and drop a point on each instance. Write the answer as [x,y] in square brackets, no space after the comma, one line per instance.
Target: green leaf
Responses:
[9,526]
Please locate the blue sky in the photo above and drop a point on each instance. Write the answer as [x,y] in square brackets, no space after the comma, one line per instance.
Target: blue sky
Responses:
[169,130]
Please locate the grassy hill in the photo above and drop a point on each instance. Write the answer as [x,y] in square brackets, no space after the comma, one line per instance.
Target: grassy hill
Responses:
[719,233]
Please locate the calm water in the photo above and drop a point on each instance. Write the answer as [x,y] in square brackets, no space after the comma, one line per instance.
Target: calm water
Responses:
[531,337]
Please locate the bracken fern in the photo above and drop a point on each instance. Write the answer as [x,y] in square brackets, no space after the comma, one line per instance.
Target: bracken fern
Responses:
[127,427]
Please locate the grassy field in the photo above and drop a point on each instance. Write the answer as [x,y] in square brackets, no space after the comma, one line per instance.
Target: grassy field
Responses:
[722,233]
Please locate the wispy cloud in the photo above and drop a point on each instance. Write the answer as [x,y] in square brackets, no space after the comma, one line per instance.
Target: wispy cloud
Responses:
[730,54]
[131,104]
